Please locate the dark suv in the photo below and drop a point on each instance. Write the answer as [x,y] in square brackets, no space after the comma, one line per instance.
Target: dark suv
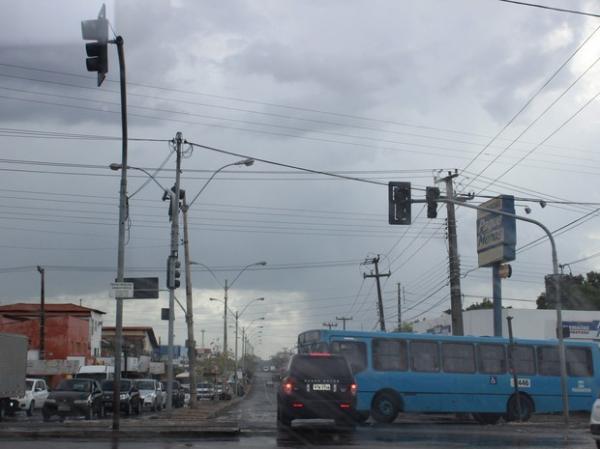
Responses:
[130,400]
[317,385]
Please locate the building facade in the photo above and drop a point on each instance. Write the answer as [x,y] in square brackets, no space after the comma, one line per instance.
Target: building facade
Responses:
[526,323]
[65,325]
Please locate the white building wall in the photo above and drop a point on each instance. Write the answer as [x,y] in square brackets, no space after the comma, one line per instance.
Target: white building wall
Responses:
[95,326]
[527,323]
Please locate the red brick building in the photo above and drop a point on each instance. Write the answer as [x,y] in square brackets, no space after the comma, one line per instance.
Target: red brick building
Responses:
[69,328]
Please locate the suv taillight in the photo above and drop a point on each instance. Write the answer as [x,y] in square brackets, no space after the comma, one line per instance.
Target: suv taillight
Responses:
[353,389]
[287,385]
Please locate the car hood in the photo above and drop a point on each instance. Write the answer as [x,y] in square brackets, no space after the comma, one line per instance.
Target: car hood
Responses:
[146,392]
[68,395]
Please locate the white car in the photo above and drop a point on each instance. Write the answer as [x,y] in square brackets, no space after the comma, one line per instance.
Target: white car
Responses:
[150,393]
[36,393]
[595,422]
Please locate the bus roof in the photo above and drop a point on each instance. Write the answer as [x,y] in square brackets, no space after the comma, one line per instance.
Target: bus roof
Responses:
[326,333]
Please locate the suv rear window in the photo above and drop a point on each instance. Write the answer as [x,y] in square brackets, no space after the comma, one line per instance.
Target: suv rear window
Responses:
[320,367]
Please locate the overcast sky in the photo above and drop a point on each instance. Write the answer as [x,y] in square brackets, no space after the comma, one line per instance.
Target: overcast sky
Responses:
[382,90]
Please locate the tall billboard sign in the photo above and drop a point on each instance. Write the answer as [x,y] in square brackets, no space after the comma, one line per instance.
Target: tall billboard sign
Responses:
[496,234]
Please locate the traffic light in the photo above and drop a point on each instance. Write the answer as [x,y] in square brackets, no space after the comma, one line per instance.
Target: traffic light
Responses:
[431,195]
[96,30]
[399,203]
[173,273]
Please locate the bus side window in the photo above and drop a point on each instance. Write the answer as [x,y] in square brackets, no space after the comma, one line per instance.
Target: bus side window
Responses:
[355,353]
[548,361]
[458,357]
[389,355]
[424,356]
[523,359]
[579,362]
[492,359]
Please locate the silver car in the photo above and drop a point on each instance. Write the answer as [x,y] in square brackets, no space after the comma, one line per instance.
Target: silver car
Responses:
[150,393]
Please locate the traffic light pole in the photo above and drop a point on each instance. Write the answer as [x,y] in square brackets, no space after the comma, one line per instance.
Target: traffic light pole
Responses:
[174,255]
[121,248]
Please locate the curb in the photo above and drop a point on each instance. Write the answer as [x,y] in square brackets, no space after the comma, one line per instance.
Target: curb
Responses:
[138,433]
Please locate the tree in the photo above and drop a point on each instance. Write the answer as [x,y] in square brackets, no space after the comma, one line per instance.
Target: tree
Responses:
[484,304]
[404,327]
[576,292]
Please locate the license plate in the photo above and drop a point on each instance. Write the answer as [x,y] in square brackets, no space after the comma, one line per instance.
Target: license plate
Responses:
[64,408]
[321,387]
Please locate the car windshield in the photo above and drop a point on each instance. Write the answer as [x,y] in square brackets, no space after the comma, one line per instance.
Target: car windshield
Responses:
[145,385]
[109,384]
[79,385]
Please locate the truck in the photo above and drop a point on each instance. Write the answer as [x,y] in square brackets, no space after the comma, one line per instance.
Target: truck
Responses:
[97,372]
[13,367]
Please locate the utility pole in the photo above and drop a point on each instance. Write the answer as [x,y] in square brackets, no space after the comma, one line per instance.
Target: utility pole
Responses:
[225,320]
[235,377]
[203,331]
[343,319]
[453,259]
[377,275]
[173,257]
[42,272]
[189,312]
[399,308]
[330,324]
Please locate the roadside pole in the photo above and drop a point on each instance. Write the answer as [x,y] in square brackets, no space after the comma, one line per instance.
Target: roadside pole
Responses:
[42,272]
[121,245]
[511,361]
[173,256]
[189,312]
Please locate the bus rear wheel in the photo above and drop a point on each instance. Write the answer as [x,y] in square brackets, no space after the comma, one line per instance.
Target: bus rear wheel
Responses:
[385,407]
[512,409]
[486,418]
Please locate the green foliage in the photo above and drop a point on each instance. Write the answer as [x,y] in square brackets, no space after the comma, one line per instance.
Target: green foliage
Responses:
[576,292]
[485,304]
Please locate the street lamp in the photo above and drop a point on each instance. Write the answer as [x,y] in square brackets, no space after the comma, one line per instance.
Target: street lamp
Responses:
[237,316]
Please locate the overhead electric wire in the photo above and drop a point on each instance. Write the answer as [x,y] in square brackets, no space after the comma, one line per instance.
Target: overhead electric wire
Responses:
[551,8]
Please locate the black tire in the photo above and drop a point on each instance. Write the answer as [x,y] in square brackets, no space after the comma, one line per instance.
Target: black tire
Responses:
[138,408]
[283,419]
[527,408]
[29,411]
[597,444]
[61,418]
[385,407]
[2,410]
[361,417]
[89,413]
[45,415]
[129,409]
[487,418]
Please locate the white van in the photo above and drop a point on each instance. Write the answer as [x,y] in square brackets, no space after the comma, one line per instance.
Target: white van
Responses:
[97,372]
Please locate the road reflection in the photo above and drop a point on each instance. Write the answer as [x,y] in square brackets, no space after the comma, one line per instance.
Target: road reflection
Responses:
[314,436]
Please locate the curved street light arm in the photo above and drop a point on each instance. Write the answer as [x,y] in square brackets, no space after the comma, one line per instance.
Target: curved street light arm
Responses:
[262,263]
[116,167]
[247,305]
[246,162]
[212,273]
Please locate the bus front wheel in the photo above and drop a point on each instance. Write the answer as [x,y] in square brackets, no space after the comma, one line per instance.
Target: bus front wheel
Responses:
[512,409]
[385,407]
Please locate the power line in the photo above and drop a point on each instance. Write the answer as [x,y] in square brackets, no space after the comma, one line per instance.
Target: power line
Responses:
[551,8]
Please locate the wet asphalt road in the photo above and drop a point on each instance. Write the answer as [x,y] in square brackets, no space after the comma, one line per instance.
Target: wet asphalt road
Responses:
[256,418]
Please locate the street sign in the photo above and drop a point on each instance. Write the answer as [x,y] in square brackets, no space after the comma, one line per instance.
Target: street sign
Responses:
[496,234]
[144,288]
[121,290]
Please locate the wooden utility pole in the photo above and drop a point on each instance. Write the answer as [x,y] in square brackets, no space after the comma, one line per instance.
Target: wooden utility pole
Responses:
[377,275]
[42,272]
[343,319]
[453,259]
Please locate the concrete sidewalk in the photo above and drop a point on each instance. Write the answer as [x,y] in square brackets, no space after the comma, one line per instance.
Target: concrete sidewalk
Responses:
[182,422]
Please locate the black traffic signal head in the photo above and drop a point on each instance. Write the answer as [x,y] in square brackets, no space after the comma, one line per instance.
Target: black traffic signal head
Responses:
[173,273]
[431,195]
[96,30]
[399,203]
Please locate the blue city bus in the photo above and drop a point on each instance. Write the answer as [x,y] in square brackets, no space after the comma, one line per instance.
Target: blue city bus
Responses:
[427,373]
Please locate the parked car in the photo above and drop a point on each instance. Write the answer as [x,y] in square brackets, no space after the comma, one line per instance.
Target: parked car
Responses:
[178,394]
[223,393]
[130,400]
[205,391]
[317,386]
[36,393]
[74,397]
[595,422]
[150,393]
